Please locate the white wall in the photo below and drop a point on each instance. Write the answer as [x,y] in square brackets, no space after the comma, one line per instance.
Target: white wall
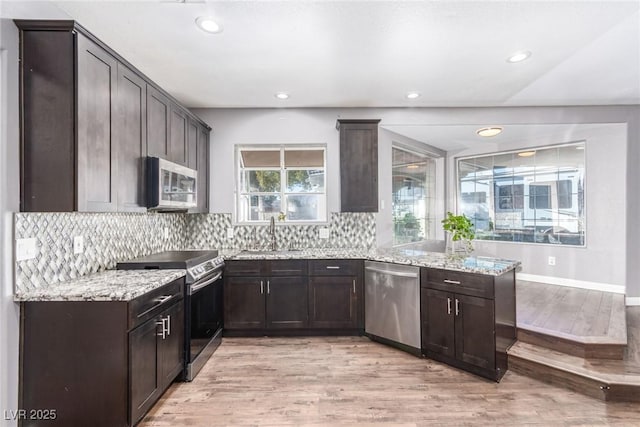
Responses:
[602,263]
[9,194]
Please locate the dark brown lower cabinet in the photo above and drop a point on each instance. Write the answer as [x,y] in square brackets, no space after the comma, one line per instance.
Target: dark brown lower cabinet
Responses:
[333,302]
[155,358]
[99,363]
[259,303]
[459,326]
[468,320]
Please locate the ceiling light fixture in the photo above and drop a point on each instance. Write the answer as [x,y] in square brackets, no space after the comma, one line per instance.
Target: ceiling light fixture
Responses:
[413,95]
[526,153]
[412,166]
[208,25]
[519,56]
[282,95]
[489,131]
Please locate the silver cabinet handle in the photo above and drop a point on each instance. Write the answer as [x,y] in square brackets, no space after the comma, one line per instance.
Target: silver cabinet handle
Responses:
[333,267]
[457,307]
[261,287]
[160,300]
[354,286]
[165,329]
[448,305]
[268,290]
[168,324]
[451,282]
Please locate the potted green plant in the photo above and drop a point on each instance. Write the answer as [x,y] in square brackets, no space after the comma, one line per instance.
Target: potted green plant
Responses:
[460,233]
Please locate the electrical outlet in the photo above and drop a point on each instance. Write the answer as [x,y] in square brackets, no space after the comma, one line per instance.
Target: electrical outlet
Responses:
[552,260]
[78,245]
[26,249]
[324,233]
[166,233]
[381,204]
[230,233]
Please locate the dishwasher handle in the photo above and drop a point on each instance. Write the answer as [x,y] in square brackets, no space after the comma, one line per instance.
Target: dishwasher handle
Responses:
[393,273]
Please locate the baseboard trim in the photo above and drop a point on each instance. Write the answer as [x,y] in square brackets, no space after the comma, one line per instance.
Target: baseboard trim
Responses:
[632,301]
[594,286]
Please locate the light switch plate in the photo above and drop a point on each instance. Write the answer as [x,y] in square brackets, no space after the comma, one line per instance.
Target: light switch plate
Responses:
[324,233]
[230,233]
[552,260]
[26,249]
[78,245]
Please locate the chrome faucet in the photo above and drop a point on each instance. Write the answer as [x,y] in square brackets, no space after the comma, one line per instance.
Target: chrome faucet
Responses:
[272,231]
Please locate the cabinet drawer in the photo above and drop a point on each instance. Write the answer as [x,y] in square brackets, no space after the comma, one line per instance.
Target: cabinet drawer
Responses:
[287,267]
[152,303]
[335,267]
[244,268]
[479,285]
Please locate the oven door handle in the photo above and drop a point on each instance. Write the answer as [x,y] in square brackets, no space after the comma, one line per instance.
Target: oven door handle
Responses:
[194,289]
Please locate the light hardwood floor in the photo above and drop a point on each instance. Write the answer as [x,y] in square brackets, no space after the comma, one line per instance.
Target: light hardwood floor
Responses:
[353,381]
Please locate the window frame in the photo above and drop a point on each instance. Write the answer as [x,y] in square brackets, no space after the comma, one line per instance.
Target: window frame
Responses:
[282,192]
[526,198]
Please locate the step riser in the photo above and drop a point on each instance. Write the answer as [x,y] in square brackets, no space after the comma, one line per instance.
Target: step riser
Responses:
[556,377]
[574,382]
[588,351]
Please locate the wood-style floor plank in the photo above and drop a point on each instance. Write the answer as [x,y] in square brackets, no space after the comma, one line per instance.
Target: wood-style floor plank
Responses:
[584,315]
[352,381]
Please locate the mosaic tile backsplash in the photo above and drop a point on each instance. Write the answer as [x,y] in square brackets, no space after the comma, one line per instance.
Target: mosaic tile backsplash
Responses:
[113,237]
[346,230]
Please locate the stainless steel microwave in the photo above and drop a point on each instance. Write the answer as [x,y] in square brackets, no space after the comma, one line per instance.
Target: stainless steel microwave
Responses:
[170,186]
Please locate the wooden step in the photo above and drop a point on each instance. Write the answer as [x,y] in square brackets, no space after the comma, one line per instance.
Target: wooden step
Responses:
[609,380]
[586,347]
[579,322]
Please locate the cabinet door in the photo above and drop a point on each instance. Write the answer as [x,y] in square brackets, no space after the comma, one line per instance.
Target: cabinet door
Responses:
[244,305]
[333,302]
[178,136]
[132,134]
[96,112]
[157,123]
[172,346]
[192,143]
[144,367]
[359,166]
[287,302]
[475,333]
[438,326]
[203,170]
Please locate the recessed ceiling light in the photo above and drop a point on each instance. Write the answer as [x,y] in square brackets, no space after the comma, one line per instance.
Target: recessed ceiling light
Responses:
[413,95]
[412,166]
[519,56]
[526,153]
[282,95]
[580,147]
[208,24]
[490,131]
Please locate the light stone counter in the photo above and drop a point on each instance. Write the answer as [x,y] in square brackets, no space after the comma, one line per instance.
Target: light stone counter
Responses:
[110,285]
[471,264]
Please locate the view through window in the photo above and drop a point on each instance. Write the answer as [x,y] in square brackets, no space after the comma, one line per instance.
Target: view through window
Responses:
[534,195]
[413,198]
[281,179]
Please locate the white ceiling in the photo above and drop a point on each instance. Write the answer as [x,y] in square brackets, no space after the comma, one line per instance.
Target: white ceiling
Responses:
[371,53]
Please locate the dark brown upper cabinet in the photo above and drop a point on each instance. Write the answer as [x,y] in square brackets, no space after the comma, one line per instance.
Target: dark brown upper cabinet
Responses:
[358,165]
[132,140]
[158,115]
[88,120]
[178,135]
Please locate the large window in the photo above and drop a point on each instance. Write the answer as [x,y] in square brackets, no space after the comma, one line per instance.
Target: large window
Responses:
[413,198]
[275,180]
[533,195]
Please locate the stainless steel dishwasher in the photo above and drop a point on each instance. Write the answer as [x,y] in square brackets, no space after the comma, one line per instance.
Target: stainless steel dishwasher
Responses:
[392,304]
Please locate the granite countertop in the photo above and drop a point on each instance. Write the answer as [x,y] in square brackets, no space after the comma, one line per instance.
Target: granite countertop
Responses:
[110,285]
[471,264]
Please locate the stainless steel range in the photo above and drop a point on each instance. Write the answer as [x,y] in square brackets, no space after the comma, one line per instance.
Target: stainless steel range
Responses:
[202,298]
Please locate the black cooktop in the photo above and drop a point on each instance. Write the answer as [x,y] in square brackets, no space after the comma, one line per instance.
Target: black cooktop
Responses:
[168,259]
